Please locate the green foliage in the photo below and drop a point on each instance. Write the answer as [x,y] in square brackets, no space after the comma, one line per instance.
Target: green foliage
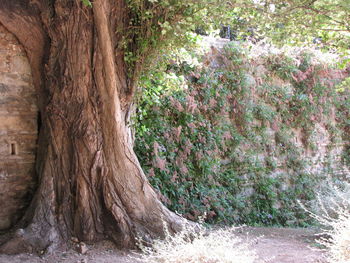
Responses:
[211,141]
[156,27]
[153,28]
[322,22]
[87,3]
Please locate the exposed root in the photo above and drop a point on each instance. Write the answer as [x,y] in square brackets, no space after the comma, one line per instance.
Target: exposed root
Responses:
[27,241]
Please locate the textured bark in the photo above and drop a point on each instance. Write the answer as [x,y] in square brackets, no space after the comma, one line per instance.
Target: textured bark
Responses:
[91,183]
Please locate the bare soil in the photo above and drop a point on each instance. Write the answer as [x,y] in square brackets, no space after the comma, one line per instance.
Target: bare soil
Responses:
[272,245]
[284,245]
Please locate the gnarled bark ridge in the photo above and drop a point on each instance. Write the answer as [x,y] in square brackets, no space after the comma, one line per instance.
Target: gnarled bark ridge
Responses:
[91,183]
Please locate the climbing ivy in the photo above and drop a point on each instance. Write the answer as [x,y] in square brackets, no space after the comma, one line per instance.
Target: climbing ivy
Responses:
[219,140]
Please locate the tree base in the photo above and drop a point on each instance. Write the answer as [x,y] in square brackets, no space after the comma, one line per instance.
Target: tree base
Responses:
[25,241]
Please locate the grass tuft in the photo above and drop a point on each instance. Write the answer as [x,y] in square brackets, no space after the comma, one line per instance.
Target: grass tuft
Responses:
[334,214]
[194,244]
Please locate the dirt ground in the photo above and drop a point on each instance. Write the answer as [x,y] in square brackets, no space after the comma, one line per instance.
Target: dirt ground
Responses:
[272,245]
[284,245]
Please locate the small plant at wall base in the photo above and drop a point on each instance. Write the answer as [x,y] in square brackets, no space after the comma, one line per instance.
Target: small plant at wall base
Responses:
[332,211]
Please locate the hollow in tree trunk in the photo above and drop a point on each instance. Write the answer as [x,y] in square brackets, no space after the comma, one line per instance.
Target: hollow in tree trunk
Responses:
[91,185]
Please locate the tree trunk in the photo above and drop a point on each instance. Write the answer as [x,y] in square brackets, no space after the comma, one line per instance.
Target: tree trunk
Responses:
[91,183]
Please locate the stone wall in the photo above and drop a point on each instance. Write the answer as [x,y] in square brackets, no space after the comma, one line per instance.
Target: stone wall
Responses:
[18,129]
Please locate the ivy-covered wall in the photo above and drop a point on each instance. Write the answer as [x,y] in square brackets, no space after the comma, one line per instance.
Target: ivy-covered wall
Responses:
[241,138]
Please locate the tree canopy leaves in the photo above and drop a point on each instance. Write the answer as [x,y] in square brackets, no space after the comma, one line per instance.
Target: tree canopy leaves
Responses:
[323,22]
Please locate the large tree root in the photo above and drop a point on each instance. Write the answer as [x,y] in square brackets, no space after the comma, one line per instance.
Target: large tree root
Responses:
[27,241]
[35,241]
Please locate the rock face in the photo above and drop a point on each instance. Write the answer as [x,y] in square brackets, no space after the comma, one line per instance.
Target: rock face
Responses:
[18,129]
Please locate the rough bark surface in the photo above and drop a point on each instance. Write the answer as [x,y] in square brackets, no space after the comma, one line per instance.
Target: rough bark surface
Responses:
[91,183]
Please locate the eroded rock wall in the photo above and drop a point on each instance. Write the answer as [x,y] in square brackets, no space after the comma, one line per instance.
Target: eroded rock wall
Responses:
[18,129]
